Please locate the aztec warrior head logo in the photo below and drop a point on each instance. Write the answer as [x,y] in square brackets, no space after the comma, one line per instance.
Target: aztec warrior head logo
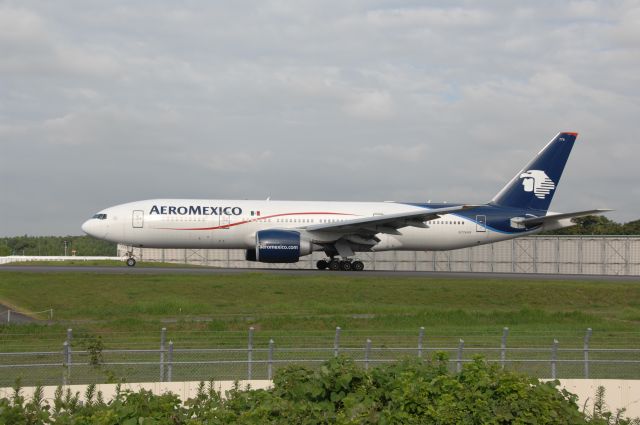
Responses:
[538,182]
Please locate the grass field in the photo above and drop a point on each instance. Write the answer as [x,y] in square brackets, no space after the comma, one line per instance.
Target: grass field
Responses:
[191,306]
[127,311]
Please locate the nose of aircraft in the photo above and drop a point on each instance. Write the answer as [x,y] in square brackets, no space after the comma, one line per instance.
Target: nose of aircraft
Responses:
[98,228]
[86,227]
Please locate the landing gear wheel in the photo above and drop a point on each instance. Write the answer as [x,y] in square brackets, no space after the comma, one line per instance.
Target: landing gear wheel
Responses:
[345,265]
[131,262]
[334,265]
[357,266]
[322,264]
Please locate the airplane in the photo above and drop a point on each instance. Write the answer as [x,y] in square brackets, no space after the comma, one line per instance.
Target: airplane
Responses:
[283,231]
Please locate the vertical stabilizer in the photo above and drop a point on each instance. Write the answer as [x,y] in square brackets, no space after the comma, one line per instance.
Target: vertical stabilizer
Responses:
[533,187]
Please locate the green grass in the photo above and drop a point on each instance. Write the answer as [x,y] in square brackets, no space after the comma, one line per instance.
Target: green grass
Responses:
[137,306]
[215,311]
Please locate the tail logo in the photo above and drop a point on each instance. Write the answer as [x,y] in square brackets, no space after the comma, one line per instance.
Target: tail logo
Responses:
[538,182]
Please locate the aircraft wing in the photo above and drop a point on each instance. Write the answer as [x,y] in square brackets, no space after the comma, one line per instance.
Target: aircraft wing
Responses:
[535,221]
[388,223]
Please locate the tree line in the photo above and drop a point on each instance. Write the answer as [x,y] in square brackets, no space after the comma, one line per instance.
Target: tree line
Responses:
[55,245]
[598,225]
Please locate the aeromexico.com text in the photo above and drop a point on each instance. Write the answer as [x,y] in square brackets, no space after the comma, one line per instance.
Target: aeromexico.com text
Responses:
[194,210]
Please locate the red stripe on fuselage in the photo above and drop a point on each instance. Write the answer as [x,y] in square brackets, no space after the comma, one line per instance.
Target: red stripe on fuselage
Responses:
[226,226]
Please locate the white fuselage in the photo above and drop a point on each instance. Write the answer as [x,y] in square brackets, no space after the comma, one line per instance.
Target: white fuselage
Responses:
[197,223]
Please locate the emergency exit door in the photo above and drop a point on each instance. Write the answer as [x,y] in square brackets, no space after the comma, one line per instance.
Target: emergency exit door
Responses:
[138,219]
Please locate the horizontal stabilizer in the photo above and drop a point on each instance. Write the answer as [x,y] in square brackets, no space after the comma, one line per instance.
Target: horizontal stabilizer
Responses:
[535,221]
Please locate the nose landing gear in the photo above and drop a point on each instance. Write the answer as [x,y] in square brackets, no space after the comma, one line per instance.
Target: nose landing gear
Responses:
[130,260]
[346,264]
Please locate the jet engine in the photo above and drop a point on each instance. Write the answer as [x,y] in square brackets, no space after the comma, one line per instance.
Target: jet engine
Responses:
[279,246]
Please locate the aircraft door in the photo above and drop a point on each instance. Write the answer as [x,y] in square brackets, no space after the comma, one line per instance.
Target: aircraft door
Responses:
[137,219]
[481,223]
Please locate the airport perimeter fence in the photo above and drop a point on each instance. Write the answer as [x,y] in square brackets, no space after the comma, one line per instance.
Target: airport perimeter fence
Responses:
[593,255]
[262,355]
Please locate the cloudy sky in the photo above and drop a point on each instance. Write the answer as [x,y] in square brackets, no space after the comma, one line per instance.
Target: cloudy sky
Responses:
[108,102]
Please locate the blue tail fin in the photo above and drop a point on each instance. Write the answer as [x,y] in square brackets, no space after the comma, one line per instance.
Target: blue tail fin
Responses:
[533,187]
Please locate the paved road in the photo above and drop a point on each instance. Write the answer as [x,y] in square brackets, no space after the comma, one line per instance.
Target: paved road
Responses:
[15,317]
[298,272]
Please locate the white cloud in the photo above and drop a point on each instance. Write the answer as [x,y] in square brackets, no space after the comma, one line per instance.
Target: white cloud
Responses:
[398,153]
[20,26]
[232,161]
[370,105]
[439,17]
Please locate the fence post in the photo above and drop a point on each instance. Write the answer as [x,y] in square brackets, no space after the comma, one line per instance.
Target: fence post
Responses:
[367,353]
[250,354]
[336,342]
[270,363]
[535,255]
[587,338]
[513,255]
[558,255]
[627,255]
[492,258]
[163,336]
[170,362]
[68,352]
[603,256]
[420,340]
[554,358]
[65,362]
[8,316]
[503,347]
[579,255]
[459,362]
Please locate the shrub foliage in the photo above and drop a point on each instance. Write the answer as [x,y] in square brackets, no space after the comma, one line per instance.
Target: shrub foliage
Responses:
[339,392]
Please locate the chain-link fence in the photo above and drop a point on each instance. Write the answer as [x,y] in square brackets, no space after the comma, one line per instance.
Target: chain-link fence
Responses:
[260,356]
[599,255]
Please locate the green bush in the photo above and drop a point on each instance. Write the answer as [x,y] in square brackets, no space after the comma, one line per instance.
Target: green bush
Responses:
[339,392]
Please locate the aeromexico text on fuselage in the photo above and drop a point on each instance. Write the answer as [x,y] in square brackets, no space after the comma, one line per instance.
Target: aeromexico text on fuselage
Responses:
[194,210]
[497,218]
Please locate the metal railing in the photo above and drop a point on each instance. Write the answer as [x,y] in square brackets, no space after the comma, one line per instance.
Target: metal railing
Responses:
[171,362]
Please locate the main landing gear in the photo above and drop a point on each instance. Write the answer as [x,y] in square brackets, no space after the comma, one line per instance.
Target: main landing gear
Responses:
[346,264]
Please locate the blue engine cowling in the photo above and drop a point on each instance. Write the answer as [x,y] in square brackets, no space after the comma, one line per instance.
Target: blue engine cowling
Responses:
[278,246]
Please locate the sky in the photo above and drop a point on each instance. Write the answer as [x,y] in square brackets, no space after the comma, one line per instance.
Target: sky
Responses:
[103,103]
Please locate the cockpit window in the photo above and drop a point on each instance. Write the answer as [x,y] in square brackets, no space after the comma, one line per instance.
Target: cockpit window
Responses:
[100,216]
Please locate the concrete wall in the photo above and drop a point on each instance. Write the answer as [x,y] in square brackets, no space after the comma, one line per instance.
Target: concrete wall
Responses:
[184,390]
[618,393]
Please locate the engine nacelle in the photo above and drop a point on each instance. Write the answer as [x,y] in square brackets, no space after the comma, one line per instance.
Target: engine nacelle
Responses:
[279,246]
